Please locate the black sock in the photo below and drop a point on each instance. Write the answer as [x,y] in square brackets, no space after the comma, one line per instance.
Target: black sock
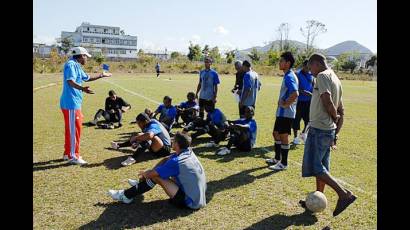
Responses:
[277,149]
[125,144]
[284,152]
[139,151]
[142,187]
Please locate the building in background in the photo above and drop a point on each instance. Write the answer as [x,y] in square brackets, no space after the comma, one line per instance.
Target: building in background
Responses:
[107,40]
[158,54]
[42,50]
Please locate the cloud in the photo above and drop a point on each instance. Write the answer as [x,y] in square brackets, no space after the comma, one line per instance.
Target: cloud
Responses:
[221,30]
[227,46]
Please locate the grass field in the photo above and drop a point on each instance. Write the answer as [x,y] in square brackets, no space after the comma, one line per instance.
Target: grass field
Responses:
[242,193]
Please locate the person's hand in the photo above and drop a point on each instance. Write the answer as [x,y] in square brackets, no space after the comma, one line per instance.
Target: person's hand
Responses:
[337,118]
[105,74]
[214,99]
[141,174]
[88,90]
[233,90]
[112,111]
[281,103]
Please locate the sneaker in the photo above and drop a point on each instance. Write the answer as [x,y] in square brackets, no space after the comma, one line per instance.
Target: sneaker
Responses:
[223,151]
[128,161]
[119,195]
[272,161]
[296,141]
[111,126]
[211,145]
[278,167]
[65,158]
[132,182]
[115,145]
[119,125]
[78,161]
[343,204]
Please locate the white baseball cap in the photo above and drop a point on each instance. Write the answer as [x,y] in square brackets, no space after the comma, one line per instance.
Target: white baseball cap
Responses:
[78,51]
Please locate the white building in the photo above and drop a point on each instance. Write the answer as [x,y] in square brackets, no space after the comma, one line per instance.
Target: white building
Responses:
[41,50]
[108,40]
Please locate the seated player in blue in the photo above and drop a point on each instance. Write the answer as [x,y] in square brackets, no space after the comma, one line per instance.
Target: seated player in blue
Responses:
[154,137]
[167,113]
[242,133]
[187,110]
[180,175]
[215,125]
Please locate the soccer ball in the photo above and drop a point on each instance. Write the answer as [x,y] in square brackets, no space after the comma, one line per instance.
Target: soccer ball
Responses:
[316,201]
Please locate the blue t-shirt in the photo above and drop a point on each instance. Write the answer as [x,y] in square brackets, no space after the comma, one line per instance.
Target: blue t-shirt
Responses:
[305,83]
[189,104]
[157,67]
[208,79]
[72,98]
[217,118]
[165,112]
[289,85]
[250,82]
[159,130]
[252,128]
[189,175]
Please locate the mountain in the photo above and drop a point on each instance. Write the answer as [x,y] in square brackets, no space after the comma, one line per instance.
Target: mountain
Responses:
[347,46]
[275,44]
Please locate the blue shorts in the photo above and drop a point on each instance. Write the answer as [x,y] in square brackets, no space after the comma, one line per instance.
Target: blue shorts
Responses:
[316,158]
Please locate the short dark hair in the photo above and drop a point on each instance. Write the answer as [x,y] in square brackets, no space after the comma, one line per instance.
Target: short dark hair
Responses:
[317,57]
[183,140]
[251,110]
[111,93]
[208,59]
[246,63]
[168,98]
[305,62]
[76,57]
[192,94]
[288,56]
[142,117]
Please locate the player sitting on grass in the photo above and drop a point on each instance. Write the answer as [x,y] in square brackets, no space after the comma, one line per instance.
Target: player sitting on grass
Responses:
[167,113]
[180,175]
[215,125]
[153,137]
[242,133]
[114,107]
[188,110]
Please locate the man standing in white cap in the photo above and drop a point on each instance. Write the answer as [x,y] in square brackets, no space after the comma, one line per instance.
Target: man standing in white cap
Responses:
[71,100]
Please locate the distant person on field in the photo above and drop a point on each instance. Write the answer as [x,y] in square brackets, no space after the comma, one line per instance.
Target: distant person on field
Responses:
[285,113]
[207,86]
[167,113]
[326,120]
[302,107]
[180,175]
[238,82]
[157,69]
[250,88]
[242,133]
[153,137]
[114,107]
[71,100]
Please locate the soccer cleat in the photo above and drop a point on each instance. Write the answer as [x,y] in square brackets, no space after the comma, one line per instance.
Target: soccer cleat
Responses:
[278,167]
[128,161]
[296,141]
[132,182]
[119,195]
[211,145]
[78,161]
[115,145]
[223,151]
[272,161]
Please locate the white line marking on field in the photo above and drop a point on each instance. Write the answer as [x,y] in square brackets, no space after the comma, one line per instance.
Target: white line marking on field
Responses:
[264,149]
[44,86]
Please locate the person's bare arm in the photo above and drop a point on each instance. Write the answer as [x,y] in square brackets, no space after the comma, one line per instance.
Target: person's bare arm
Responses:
[215,92]
[329,106]
[340,112]
[79,87]
[145,137]
[197,89]
[291,99]
[149,174]
[101,75]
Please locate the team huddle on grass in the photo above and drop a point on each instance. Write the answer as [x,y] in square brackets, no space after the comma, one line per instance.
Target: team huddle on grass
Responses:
[314,94]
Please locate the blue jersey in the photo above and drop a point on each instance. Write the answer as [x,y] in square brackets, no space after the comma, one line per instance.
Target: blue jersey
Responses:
[289,85]
[250,82]
[252,128]
[159,130]
[305,83]
[189,176]
[208,79]
[72,98]
[165,112]
[217,118]
[188,104]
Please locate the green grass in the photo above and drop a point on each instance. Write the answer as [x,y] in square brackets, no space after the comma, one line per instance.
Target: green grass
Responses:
[242,193]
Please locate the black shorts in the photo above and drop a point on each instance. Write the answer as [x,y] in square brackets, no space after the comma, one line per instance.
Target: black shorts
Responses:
[203,102]
[164,151]
[179,199]
[302,112]
[283,125]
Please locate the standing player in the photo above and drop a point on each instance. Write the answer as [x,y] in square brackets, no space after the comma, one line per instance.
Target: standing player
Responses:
[71,100]
[238,83]
[285,113]
[250,88]
[207,87]
[157,69]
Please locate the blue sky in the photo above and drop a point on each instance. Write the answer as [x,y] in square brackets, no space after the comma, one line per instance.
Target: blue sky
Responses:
[229,24]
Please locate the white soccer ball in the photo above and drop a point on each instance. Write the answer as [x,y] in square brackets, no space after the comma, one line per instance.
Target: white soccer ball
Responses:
[316,201]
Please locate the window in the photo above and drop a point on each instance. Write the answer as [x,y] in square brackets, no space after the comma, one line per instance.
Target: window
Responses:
[103,41]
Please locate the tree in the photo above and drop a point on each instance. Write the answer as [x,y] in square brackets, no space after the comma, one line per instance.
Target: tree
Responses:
[311,31]
[348,61]
[205,51]
[372,61]
[273,57]
[66,44]
[99,58]
[140,52]
[175,55]
[254,56]
[230,56]
[215,55]
[194,53]
[283,35]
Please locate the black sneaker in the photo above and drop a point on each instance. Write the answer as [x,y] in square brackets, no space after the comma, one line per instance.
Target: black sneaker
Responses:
[343,204]
[119,125]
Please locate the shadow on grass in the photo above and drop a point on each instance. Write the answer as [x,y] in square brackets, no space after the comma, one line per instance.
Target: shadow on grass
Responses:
[115,163]
[38,166]
[259,152]
[281,221]
[135,215]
